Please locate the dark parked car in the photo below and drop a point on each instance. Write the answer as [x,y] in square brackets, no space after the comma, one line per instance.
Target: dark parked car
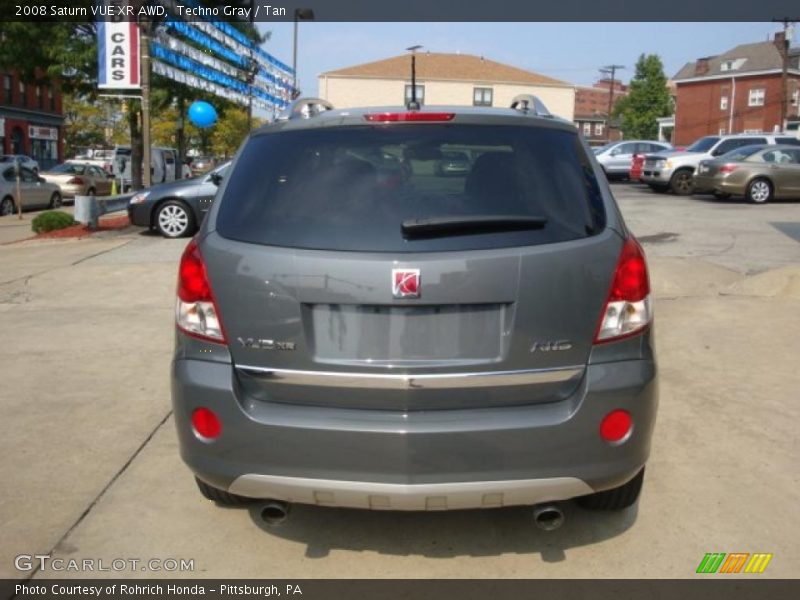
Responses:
[177,208]
[471,341]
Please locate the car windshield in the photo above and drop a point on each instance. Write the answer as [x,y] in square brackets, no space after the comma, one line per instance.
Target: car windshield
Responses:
[603,148]
[703,144]
[73,168]
[455,156]
[352,188]
[739,154]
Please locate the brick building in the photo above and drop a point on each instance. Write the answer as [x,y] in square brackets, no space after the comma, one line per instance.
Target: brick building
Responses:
[443,79]
[738,91]
[591,111]
[31,120]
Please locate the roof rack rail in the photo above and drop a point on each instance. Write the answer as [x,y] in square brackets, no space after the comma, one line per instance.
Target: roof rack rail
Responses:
[529,103]
[305,108]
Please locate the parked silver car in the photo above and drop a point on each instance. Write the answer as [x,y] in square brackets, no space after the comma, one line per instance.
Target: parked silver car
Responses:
[34,190]
[616,157]
[24,161]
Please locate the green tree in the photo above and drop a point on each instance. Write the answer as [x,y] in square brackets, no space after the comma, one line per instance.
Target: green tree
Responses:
[648,99]
[230,131]
[83,123]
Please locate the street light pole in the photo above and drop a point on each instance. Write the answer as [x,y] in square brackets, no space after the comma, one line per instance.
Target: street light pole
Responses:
[300,14]
[413,104]
[145,78]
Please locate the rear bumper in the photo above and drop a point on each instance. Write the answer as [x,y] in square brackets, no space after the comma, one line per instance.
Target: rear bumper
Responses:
[718,184]
[139,214]
[393,496]
[415,460]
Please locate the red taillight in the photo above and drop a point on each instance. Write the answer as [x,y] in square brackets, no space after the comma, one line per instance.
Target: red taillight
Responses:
[206,423]
[627,308]
[631,282]
[196,312]
[616,426]
[408,116]
[75,181]
[727,168]
[192,280]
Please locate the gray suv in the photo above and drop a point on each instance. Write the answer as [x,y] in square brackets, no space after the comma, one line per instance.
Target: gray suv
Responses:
[355,329]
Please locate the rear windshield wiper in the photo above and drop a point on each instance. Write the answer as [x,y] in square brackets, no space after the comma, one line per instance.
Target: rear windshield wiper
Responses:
[469,224]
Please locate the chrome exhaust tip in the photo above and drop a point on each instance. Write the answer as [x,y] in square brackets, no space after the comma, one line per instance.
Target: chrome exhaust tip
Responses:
[548,517]
[274,512]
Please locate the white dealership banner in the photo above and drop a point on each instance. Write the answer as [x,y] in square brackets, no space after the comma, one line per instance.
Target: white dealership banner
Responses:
[118,55]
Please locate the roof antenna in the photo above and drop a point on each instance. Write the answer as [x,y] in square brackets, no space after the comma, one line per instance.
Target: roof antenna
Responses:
[413,104]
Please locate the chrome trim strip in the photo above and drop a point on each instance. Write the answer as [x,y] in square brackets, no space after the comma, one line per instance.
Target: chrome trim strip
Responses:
[421,496]
[408,381]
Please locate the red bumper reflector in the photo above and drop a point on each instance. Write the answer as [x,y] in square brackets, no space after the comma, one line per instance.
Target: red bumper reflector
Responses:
[616,426]
[206,424]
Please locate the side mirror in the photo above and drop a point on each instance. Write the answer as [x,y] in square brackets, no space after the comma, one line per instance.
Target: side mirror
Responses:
[41,179]
[216,178]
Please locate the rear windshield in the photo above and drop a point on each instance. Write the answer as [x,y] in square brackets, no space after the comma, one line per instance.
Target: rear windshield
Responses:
[351,188]
[703,144]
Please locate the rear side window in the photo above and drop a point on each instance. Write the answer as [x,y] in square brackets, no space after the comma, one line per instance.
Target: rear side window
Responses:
[351,188]
[788,140]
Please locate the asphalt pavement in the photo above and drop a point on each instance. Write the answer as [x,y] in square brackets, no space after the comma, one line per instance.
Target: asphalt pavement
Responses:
[89,456]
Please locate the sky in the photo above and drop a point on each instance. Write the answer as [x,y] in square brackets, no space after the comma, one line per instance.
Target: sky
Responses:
[572,52]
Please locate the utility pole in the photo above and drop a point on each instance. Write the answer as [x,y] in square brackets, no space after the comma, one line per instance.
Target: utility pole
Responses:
[413,104]
[784,50]
[145,78]
[612,70]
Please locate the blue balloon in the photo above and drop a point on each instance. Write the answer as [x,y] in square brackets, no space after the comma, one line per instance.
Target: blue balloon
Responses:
[202,114]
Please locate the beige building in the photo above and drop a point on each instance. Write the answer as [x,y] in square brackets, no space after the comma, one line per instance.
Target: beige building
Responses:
[443,79]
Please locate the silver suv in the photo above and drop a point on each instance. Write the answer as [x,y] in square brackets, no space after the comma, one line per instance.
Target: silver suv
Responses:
[355,329]
[674,170]
[616,157]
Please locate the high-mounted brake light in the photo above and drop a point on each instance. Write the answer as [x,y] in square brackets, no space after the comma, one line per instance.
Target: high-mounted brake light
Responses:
[627,310]
[408,116]
[196,312]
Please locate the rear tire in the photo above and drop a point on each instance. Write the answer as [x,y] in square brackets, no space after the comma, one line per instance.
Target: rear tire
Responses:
[759,191]
[681,183]
[55,200]
[7,206]
[220,496]
[615,499]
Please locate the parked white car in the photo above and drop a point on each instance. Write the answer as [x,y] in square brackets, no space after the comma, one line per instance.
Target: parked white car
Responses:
[164,166]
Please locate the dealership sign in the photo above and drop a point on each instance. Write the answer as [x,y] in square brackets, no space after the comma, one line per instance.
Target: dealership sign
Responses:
[42,133]
[118,54]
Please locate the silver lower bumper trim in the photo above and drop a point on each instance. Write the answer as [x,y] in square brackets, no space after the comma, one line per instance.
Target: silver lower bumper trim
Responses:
[427,496]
